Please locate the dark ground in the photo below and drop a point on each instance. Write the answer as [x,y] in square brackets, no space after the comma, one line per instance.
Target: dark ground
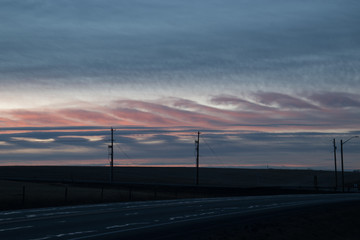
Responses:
[325,222]
[223,177]
[332,221]
[41,186]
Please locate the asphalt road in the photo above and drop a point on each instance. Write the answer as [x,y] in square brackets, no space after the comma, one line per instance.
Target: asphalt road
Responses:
[174,219]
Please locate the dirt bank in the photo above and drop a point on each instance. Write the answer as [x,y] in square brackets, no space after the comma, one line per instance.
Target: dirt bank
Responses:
[325,222]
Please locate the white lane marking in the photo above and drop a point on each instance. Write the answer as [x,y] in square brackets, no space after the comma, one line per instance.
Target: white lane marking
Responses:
[315,200]
[62,235]
[191,216]
[6,219]
[127,225]
[193,219]
[166,223]
[48,211]
[9,213]
[50,214]
[15,228]
[157,203]
[72,233]
[268,205]
[131,214]
[43,214]
[230,208]
[43,238]
[59,213]
[176,202]
[354,196]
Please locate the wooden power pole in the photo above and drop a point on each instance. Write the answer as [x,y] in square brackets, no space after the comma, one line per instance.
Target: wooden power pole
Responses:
[111,146]
[336,178]
[197,142]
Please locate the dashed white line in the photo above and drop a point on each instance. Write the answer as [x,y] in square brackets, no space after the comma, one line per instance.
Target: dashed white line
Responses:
[131,214]
[15,228]
[127,225]
[60,235]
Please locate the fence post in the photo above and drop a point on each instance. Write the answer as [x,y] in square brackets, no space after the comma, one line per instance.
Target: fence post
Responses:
[130,193]
[23,194]
[316,186]
[102,194]
[66,193]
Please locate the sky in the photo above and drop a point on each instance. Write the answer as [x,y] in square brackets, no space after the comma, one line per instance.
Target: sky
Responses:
[268,83]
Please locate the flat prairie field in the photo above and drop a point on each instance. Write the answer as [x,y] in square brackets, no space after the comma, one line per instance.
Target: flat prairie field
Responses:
[40,186]
[222,177]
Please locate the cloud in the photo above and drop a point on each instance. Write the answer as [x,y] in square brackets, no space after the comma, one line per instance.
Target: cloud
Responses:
[163,131]
[88,117]
[24,118]
[264,111]
[176,47]
[166,147]
[142,117]
[239,103]
[155,114]
[283,101]
[161,70]
[337,99]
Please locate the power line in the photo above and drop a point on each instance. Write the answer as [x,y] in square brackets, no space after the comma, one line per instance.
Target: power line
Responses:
[212,150]
[123,152]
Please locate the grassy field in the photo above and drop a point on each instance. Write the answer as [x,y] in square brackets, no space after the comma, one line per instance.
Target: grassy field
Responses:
[326,222]
[23,187]
[24,194]
[229,177]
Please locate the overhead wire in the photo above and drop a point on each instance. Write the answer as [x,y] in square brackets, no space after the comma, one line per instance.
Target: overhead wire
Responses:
[212,150]
[119,147]
[123,152]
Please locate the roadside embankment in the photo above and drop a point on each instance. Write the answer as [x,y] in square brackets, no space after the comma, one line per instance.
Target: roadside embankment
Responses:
[321,222]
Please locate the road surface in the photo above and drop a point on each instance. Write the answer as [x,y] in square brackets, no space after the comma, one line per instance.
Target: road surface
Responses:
[173,219]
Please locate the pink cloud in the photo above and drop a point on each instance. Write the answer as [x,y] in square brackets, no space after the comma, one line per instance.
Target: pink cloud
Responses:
[290,115]
[229,117]
[171,115]
[36,118]
[87,117]
[143,117]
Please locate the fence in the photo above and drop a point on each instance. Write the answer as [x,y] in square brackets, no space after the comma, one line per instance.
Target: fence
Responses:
[21,194]
[28,194]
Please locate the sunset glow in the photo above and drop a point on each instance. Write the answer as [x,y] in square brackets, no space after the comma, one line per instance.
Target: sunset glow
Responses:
[265,86]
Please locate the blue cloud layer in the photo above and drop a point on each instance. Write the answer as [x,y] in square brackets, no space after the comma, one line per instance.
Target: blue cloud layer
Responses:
[286,66]
[58,44]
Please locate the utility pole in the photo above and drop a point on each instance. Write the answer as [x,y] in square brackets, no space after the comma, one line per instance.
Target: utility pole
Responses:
[336,178]
[111,146]
[197,142]
[342,161]
[342,166]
